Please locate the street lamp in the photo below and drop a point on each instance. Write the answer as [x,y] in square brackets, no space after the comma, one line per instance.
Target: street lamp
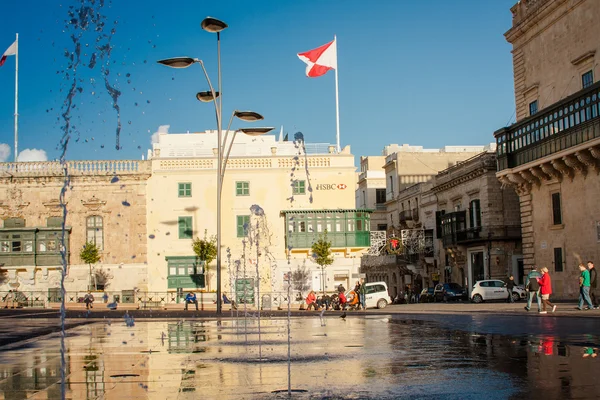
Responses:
[214,25]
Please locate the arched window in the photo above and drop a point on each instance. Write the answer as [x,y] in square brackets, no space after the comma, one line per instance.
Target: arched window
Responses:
[95,231]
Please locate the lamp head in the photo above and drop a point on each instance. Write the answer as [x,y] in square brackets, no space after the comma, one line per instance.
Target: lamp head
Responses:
[177,62]
[255,131]
[213,25]
[207,96]
[248,116]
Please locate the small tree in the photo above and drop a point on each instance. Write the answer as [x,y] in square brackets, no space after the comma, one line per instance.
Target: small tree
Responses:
[89,255]
[322,255]
[301,279]
[102,278]
[206,250]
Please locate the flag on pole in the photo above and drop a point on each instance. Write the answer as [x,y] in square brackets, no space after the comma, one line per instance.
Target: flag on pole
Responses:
[320,60]
[11,51]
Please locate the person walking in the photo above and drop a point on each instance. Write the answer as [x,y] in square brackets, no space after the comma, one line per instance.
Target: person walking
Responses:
[362,294]
[546,290]
[533,289]
[584,288]
[311,301]
[593,283]
[510,285]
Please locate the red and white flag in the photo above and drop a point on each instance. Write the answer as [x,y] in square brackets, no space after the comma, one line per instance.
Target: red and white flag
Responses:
[320,60]
[11,51]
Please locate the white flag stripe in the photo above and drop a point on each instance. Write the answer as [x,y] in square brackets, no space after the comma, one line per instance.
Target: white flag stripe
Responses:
[12,50]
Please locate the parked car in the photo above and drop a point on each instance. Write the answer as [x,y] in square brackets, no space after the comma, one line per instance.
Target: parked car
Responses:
[449,291]
[494,290]
[377,295]
[427,295]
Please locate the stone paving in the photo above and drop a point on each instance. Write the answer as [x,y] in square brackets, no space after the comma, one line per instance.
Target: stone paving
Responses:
[430,351]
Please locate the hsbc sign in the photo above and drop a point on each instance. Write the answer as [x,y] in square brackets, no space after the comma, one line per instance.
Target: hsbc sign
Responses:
[331,186]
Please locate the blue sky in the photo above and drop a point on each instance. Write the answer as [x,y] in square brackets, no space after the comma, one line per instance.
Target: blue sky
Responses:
[427,72]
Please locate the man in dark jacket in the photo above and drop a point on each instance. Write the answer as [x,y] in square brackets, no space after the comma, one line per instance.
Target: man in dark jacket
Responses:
[533,289]
[593,283]
[510,284]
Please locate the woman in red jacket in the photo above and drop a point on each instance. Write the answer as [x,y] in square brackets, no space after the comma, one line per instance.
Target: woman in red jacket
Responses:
[311,301]
[546,290]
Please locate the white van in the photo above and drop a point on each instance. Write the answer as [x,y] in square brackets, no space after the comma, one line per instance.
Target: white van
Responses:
[377,295]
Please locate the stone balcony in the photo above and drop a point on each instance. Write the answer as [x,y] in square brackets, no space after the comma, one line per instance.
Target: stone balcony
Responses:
[558,142]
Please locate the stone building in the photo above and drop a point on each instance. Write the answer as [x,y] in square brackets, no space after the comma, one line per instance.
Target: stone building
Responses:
[477,223]
[106,205]
[278,197]
[397,186]
[551,155]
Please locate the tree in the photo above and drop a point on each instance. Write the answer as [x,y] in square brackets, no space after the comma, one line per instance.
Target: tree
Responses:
[102,278]
[322,255]
[206,250]
[89,255]
[301,279]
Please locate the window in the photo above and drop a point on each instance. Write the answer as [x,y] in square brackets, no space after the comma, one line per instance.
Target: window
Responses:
[379,196]
[184,266]
[299,187]
[475,213]
[392,186]
[242,225]
[558,259]
[556,209]
[48,242]
[185,189]
[185,227]
[95,231]
[383,227]
[533,107]
[587,79]
[242,188]
[185,272]
[16,242]
[438,223]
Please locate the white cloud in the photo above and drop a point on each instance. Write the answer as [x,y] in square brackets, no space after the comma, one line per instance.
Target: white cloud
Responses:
[33,155]
[4,152]
[161,129]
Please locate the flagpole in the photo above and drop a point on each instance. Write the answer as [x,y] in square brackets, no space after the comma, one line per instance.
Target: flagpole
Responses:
[17,98]
[337,100]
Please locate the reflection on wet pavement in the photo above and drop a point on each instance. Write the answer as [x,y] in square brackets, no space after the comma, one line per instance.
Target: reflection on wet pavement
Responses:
[373,357]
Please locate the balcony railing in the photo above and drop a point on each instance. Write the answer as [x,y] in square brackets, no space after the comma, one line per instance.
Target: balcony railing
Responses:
[406,215]
[565,124]
[479,234]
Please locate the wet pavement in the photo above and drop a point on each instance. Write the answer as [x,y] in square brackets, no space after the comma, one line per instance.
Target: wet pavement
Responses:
[412,356]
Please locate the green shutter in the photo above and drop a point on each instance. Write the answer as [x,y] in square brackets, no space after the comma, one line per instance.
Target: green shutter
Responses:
[185,227]
[185,189]
[241,221]
[242,188]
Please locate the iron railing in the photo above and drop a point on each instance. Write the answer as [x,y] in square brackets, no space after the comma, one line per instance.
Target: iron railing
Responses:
[565,124]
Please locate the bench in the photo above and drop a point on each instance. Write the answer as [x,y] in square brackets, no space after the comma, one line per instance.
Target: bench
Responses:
[146,305]
[31,303]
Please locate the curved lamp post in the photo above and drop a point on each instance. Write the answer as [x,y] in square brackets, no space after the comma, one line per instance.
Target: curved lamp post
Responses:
[214,25]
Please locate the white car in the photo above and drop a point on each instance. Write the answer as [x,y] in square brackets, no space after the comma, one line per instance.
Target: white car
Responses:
[494,289]
[377,295]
